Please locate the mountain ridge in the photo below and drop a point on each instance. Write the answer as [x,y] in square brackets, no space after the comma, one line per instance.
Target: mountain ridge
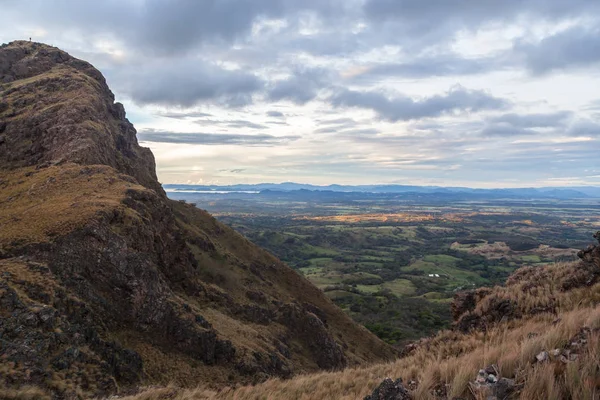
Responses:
[106,284]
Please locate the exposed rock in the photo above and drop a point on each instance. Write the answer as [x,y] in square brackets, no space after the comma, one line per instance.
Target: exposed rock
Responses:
[542,357]
[256,314]
[313,333]
[498,309]
[489,385]
[47,124]
[590,258]
[390,390]
[466,301]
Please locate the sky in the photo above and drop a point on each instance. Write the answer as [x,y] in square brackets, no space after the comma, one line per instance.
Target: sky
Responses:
[479,93]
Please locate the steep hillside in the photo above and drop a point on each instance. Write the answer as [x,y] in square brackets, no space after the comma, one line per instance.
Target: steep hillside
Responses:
[106,285]
[536,338]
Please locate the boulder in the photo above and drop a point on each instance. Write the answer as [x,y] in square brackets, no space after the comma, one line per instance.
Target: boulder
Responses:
[390,390]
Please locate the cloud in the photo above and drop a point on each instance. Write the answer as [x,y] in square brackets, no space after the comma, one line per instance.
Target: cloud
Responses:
[337,121]
[504,129]
[157,136]
[450,16]
[431,66]
[329,129]
[230,123]
[584,128]
[183,115]
[275,114]
[556,123]
[169,26]
[549,120]
[187,83]
[403,108]
[576,47]
[361,131]
[300,87]
[486,9]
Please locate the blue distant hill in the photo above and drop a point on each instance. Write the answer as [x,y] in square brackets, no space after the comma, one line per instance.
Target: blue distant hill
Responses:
[573,192]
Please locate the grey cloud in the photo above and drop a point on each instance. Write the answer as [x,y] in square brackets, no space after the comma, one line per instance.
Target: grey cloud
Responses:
[486,9]
[549,120]
[246,124]
[170,26]
[234,123]
[183,115]
[584,128]
[337,121]
[504,129]
[403,108]
[300,88]
[151,135]
[437,65]
[363,131]
[326,130]
[335,125]
[189,82]
[562,122]
[572,48]
[444,15]
[275,114]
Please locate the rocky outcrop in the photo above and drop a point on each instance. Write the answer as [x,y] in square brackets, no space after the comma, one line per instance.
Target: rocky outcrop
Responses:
[55,109]
[490,385]
[466,301]
[390,390]
[312,331]
[55,336]
[590,258]
[105,284]
[482,308]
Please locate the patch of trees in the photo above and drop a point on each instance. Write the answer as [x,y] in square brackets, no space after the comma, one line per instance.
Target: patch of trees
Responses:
[396,320]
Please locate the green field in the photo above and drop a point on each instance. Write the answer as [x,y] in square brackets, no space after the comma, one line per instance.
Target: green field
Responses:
[397,277]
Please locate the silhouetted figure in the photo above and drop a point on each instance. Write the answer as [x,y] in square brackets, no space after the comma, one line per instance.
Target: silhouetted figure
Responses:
[30,39]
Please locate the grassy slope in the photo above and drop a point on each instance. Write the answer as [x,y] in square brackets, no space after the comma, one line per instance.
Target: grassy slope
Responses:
[362,346]
[449,361]
[37,205]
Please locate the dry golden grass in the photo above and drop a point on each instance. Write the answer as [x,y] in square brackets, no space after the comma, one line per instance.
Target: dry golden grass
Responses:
[451,360]
[511,346]
[36,205]
[25,393]
[353,218]
[273,279]
[530,291]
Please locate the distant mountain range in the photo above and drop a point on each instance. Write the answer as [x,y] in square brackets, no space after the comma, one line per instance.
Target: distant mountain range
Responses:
[572,192]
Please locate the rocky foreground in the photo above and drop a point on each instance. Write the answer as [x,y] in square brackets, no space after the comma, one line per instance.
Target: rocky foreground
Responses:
[107,285]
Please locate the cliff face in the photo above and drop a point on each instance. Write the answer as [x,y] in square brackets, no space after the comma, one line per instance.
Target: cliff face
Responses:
[106,284]
[57,109]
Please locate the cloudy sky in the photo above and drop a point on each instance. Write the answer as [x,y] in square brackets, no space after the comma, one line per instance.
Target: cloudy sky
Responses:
[481,93]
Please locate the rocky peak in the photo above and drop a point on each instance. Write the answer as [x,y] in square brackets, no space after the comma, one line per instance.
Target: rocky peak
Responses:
[56,109]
